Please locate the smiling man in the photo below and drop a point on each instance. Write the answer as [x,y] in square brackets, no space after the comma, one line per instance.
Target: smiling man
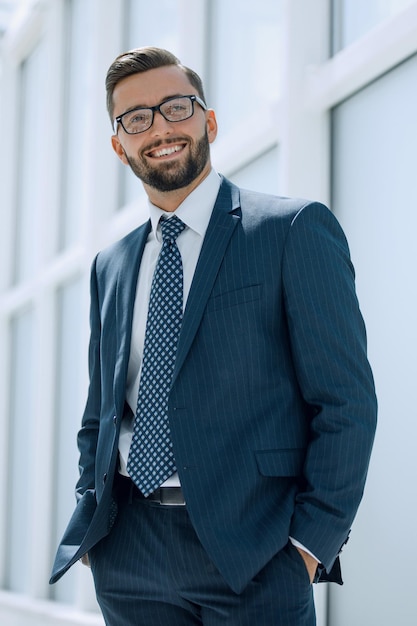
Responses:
[231,410]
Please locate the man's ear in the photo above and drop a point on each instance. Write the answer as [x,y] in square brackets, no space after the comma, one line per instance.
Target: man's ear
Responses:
[119,150]
[211,125]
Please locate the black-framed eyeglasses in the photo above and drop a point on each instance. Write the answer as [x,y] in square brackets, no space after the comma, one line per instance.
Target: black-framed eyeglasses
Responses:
[176,109]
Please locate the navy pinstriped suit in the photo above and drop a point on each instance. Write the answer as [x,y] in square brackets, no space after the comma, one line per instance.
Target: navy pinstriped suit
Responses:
[272,407]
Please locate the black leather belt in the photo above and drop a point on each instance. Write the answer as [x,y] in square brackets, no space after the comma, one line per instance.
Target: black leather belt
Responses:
[164,496]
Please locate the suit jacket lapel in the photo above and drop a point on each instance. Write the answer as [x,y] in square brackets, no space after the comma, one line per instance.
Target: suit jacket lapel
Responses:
[125,300]
[223,221]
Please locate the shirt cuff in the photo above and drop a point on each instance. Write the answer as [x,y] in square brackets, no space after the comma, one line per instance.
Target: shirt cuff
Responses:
[297,544]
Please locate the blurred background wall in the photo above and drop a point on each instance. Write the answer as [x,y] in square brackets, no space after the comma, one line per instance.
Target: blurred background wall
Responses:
[315,98]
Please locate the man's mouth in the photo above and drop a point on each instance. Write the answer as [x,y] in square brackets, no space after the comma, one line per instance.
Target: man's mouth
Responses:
[167,151]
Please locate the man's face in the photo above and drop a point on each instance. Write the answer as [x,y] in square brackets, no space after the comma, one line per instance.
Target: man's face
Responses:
[169,155]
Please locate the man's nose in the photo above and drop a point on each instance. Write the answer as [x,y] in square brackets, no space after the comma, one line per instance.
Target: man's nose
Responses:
[160,125]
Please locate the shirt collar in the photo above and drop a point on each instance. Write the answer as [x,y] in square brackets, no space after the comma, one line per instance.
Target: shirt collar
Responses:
[195,211]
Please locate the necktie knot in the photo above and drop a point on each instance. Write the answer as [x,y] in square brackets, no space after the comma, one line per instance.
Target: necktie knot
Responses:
[171,228]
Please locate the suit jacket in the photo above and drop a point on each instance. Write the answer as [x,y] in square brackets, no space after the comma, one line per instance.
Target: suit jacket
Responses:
[272,407]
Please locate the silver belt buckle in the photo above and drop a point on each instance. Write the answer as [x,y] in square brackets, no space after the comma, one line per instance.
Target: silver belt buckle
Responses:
[171,496]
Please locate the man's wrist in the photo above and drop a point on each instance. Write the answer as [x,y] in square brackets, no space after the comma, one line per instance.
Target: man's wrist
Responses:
[311,563]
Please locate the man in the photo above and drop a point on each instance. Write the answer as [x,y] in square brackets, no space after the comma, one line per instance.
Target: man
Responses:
[224,444]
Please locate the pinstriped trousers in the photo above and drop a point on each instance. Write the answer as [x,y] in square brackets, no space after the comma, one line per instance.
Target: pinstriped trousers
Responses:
[151,570]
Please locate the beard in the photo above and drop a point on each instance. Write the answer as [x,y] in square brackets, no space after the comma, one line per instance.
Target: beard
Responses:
[171,176]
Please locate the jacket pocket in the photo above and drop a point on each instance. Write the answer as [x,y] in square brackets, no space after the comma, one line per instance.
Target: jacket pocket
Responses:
[287,462]
[235,297]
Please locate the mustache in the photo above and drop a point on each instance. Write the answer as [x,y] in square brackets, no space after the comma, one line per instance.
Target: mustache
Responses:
[165,142]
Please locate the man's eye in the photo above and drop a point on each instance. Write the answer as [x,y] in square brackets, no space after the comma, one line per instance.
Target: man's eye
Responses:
[175,109]
[136,118]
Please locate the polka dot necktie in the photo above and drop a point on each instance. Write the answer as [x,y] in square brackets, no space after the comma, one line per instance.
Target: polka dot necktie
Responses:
[151,458]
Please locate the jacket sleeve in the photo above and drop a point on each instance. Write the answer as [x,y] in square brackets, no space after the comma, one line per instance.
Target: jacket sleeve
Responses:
[328,342]
[88,434]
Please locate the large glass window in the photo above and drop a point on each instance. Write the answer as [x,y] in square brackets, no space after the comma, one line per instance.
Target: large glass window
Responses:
[21,441]
[374,139]
[246,59]
[354,18]
[261,174]
[31,126]
[146,25]
[76,138]
[70,360]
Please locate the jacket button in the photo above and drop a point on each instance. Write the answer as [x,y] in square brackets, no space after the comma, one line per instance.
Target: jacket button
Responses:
[104,477]
[114,420]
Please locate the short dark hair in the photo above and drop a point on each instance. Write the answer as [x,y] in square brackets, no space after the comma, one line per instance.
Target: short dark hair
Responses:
[141,60]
